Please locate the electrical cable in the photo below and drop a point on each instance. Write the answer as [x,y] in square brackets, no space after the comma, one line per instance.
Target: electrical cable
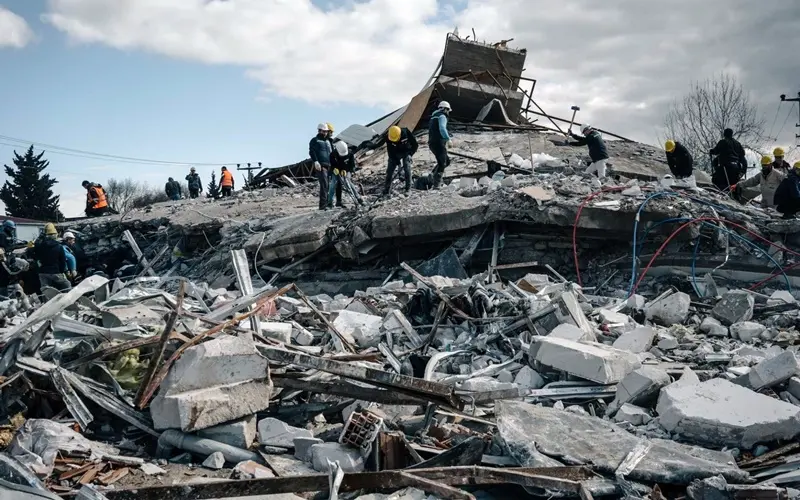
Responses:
[775,120]
[575,225]
[775,275]
[791,108]
[694,274]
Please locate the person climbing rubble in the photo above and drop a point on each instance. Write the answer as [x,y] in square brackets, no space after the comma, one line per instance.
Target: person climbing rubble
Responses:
[439,140]
[597,149]
[226,183]
[343,164]
[679,159]
[96,202]
[195,184]
[730,163]
[779,163]
[787,195]
[52,259]
[320,149]
[768,180]
[401,145]
[173,189]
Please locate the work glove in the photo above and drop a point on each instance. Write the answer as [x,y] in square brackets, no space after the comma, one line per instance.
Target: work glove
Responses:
[335,171]
[71,275]
[317,166]
[448,145]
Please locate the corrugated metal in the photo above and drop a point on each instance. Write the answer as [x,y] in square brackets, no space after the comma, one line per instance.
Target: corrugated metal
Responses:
[416,108]
[355,135]
[382,125]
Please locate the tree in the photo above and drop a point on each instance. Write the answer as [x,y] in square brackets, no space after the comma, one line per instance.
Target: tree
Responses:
[212,191]
[28,193]
[711,106]
[122,192]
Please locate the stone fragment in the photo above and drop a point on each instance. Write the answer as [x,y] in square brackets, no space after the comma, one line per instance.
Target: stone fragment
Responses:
[588,360]
[215,461]
[688,377]
[734,307]
[350,459]
[671,310]
[712,326]
[282,332]
[484,384]
[719,413]
[528,378]
[240,433]
[302,447]
[640,387]
[505,376]
[151,469]
[667,342]
[571,332]
[635,302]
[638,340]
[303,337]
[746,331]
[252,470]
[773,371]
[608,317]
[274,432]
[632,414]
[364,329]
[781,297]
[794,387]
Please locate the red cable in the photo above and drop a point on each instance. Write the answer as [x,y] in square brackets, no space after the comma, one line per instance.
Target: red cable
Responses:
[779,273]
[575,224]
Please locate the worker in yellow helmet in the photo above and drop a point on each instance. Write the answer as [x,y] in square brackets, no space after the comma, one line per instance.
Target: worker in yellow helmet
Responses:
[780,163]
[768,180]
[401,145]
[787,196]
[679,159]
[52,259]
[330,131]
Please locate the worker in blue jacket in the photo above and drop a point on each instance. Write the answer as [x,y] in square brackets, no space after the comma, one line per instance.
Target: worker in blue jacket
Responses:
[439,140]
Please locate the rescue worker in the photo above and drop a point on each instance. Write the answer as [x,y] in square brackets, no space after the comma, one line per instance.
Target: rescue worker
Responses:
[173,189]
[330,132]
[679,159]
[195,184]
[780,163]
[8,236]
[96,202]
[768,180]
[343,163]
[225,182]
[439,140]
[52,259]
[787,196]
[597,149]
[730,164]
[76,250]
[401,145]
[320,149]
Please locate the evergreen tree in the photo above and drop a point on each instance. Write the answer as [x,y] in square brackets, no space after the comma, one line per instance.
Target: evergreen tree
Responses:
[212,191]
[28,193]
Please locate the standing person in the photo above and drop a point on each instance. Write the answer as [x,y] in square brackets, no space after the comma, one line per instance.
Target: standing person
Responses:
[225,182]
[52,260]
[780,163]
[343,163]
[768,180]
[787,196]
[597,149]
[96,202]
[8,236]
[195,184]
[401,145]
[173,189]
[439,140]
[330,132]
[730,162]
[679,159]
[320,149]
[77,250]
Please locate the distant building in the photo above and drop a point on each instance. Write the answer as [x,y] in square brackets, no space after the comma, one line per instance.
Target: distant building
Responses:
[27,229]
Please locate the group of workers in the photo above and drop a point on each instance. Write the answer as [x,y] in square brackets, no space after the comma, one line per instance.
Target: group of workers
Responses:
[334,164]
[174,190]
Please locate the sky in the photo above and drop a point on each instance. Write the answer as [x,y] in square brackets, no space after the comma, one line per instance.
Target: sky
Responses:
[212,82]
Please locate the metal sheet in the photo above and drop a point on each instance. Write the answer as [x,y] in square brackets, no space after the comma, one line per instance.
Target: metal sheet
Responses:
[71,399]
[415,109]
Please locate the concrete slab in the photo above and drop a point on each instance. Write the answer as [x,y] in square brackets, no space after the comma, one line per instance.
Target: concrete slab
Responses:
[240,433]
[713,327]
[282,332]
[671,310]
[571,332]
[637,340]
[734,307]
[349,458]
[302,447]
[640,387]
[773,371]
[591,361]
[364,329]
[719,413]
[746,331]
[274,432]
[528,378]
[632,414]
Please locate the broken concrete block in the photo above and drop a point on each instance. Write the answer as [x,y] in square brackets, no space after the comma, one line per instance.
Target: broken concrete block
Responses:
[291,304]
[505,376]
[364,329]
[302,447]
[773,371]
[282,332]
[350,459]
[303,337]
[637,340]
[215,461]
[688,377]
[571,332]
[398,325]
[240,433]
[746,331]
[484,384]
[613,318]
[588,360]
[719,413]
[635,303]
[781,297]
[528,378]
[712,326]
[640,387]
[734,307]
[671,310]
[151,469]
[667,342]
[274,432]
[252,470]
[632,414]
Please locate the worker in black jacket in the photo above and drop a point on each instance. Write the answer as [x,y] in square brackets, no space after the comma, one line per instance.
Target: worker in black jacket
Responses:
[401,145]
[597,149]
[343,163]
[787,195]
[320,148]
[52,259]
[730,163]
[679,159]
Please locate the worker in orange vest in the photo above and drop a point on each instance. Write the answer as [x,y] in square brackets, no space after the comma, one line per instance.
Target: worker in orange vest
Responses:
[226,182]
[96,202]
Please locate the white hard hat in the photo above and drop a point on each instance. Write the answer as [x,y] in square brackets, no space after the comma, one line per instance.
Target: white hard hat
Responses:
[445,105]
[341,148]
[323,127]
[585,128]
[68,235]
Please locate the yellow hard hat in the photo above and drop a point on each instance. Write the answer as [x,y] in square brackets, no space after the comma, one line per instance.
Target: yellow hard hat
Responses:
[50,228]
[669,146]
[766,160]
[330,127]
[778,151]
[394,133]
[797,164]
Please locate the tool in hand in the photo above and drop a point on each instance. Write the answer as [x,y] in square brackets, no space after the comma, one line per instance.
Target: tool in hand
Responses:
[575,110]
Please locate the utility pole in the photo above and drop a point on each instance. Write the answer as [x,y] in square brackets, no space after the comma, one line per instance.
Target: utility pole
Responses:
[797,100]
[249,172]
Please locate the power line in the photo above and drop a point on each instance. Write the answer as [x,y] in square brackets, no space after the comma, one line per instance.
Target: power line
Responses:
[775,120]
[791,108]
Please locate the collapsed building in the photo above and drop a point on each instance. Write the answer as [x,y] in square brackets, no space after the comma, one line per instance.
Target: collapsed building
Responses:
[526,329]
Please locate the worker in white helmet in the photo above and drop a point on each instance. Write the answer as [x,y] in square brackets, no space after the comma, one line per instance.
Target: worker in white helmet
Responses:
[439,140]
[72,246]
[320,149]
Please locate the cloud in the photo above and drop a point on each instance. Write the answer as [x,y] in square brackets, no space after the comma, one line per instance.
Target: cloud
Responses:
[623,62]
[14,31]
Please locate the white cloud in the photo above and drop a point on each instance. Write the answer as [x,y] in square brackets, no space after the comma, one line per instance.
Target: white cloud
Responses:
[14,31]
